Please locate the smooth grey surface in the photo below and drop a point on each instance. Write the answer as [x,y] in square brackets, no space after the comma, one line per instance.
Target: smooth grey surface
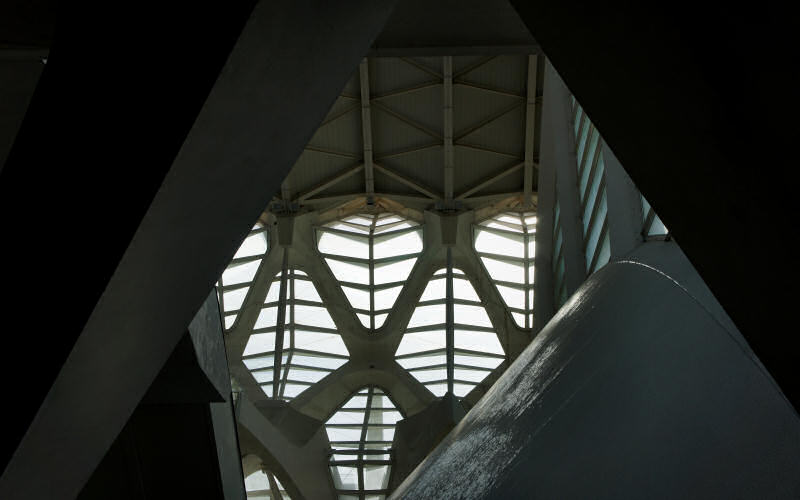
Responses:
[633,390]
[281,77]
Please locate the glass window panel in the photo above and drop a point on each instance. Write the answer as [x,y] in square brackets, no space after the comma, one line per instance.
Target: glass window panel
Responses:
[348,271]
[376,477]
[505,244]
[463,290]
[531,247]
[594,234]
[394,227]
[431,375]
[255,244]
[477,341]
[357,297]
[438,390]
[530,219]
[513,297]
[421,341]
[260,362]
[605,252]
[293,390]
[347,417]
[519,319]
[343,434]
[267,388]
[364,220]
[313,316]
[435,290]
[384,417]
[240,273]
[469,375]
[427,315]
[385,299]
[274,292]
[380,319]
[395,271]
[263,376]
[318,361]
[381,402]
[377,433]
[305,375]
[394,245]
[504,271]
[345,478]
[440,271]
[230,320]
[268,317]
[233,299]
[471,315]
[356,402]
[388,219]
[657,227]
[420,361]
[462,390]
[364,319]
[260,342]
[321,342]
[305,290]
[339,244]
[478,361]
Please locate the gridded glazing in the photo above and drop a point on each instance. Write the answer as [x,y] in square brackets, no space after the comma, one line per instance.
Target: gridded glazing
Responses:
[559,283]
[235,282]
[506,246]
[371,255]
[591,190]
[651,223]
[264,485]
[361,435]
[423,350]
[311,347]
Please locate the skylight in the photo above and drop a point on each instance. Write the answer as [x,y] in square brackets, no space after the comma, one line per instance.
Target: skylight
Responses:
[235,282]
[264,485]
[311,348]
[371,256]
[652,225]
[476,350]
[506,246]
[361,435]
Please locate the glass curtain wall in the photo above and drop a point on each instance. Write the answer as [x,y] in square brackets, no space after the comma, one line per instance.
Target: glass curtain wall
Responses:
[450,344]
[506,245]
[361,434]
[234,285]
[294,343]
[371,256]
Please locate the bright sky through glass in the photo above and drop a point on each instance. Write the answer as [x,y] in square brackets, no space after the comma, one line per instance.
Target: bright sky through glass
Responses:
[371,256]
[506,245]
[312,348]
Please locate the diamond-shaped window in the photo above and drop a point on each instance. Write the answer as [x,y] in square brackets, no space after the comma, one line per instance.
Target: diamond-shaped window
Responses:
[476,349]
[311,347]
[234,284]
[506,245]
[371,256]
